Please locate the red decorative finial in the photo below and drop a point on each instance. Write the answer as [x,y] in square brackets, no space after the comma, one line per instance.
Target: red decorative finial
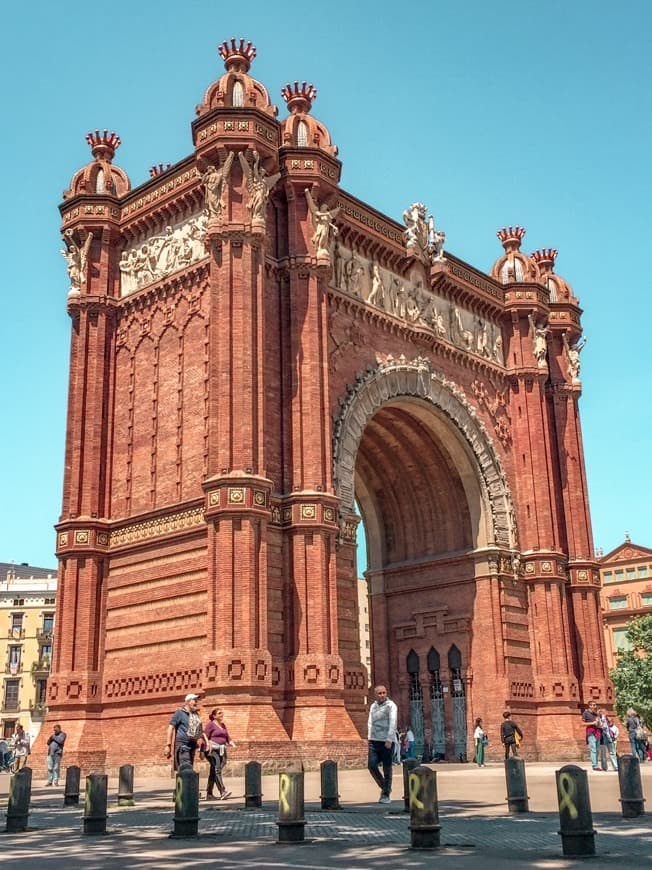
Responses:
[158,169]
[545,259]
[300,97]
[237,55]
[511,237]
[103,145]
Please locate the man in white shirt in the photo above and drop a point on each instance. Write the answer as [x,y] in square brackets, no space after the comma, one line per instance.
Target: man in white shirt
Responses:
[383,717]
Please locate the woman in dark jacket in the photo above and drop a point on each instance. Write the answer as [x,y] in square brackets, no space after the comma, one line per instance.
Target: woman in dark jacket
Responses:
[635,727]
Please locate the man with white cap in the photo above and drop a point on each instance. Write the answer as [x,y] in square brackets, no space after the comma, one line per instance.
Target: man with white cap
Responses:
[184,733]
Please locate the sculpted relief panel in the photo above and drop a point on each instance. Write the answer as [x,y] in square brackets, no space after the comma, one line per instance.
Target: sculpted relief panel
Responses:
[409,300]
[161,254]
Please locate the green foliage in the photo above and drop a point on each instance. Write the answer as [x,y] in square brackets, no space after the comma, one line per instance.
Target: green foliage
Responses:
[632,676]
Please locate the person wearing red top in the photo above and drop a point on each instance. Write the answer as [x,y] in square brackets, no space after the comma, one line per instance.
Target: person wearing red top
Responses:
[217,739]
[593,733]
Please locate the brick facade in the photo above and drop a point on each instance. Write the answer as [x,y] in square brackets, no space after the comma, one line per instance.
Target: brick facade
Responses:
[227,403]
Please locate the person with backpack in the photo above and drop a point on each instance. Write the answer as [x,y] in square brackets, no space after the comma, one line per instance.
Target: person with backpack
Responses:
[185,732]
[510,734]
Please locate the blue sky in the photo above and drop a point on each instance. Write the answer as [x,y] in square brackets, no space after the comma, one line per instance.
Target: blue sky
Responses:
[532,113]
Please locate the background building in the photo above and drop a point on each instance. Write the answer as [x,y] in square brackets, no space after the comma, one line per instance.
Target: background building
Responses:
[365,633]
[626,574]
[27,607]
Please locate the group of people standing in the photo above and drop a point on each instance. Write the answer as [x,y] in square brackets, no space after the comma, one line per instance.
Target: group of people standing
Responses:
[186,734]
[510,737]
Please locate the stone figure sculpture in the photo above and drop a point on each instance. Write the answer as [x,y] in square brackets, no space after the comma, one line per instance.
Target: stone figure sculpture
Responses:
[215,179]
[323,224]
[416,228]
[572,354]
[259,186]
[76,257]
[539,335]
[436,239]
[377,295]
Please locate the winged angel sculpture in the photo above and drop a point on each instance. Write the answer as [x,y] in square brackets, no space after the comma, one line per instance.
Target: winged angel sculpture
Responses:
[259,185]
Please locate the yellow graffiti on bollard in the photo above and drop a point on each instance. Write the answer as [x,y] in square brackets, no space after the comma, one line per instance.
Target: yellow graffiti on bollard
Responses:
[567,793]
[413,785]
[283,790]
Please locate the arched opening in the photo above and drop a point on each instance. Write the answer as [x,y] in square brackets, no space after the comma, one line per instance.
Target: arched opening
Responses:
[434,504]
[302,134]
[237,97]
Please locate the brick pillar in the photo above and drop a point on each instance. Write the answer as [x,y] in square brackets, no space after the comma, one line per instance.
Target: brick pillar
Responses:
[543,560]
[583,569]
[238,664]
[75,684]
[315,708]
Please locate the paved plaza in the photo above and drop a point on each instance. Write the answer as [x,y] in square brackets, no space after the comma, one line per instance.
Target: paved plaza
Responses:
[477,830]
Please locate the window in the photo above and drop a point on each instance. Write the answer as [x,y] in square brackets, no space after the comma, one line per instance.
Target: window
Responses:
[642,571]
[99,182]
[619,574]
[45,653]
[17,621]
[646,599]
[41,687]
[19,602]
[48,601]
[620,639]
[14,659]
[11,695]
[48,623]
[619,603]
[631,573]
[608,577]
[238,94]
[302,134]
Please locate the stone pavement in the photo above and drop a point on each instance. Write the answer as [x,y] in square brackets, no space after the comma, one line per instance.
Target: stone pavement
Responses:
[476,828]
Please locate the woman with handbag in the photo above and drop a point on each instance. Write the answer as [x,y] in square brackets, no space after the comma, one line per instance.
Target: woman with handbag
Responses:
[481,740]
[217,739]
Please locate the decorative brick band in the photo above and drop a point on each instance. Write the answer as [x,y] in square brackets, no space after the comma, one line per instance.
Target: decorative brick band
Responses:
[158,526]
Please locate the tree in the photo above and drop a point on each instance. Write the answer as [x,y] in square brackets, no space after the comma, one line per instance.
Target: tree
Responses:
[632,676]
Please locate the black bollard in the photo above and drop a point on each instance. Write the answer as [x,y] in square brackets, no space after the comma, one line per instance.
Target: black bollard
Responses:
[253,787]
[20,793]
[71,791]
[330,798]
[126,786]
[631,787]
[517,796]
[291,822]
[186,803]
[575,817]
[95,806]
[424,811]
[408,765]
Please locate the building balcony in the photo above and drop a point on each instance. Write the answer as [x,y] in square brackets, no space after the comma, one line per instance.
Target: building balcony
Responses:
[41,667]
[38,709]
[16,633]
[14,669]
[43,636]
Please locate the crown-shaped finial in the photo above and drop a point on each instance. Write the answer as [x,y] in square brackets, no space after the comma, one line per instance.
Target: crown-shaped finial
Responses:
[237,55]
[545,259]
[158,169]
[299,97]
[511,237]
[103,145]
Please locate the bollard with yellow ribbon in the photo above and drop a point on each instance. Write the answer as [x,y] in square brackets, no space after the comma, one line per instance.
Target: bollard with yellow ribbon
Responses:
[186,803]
[424,810]
[291,822]
[408,765]
[575,817]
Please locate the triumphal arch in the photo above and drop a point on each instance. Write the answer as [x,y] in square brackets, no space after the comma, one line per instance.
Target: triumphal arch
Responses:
[258,360]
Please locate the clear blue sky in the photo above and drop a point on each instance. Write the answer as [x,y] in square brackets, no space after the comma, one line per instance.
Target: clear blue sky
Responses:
[532,113]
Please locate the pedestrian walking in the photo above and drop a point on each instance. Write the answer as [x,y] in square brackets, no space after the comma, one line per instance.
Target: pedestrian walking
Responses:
[184,733]
[55,751]
[217,738]
[607,746]
[21,746]
[593,733]
[481,740]
[381,728]
[636,733]
[409,742]
[510,734]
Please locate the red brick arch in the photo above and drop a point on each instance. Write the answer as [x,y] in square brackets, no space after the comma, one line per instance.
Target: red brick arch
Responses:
[415,384]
